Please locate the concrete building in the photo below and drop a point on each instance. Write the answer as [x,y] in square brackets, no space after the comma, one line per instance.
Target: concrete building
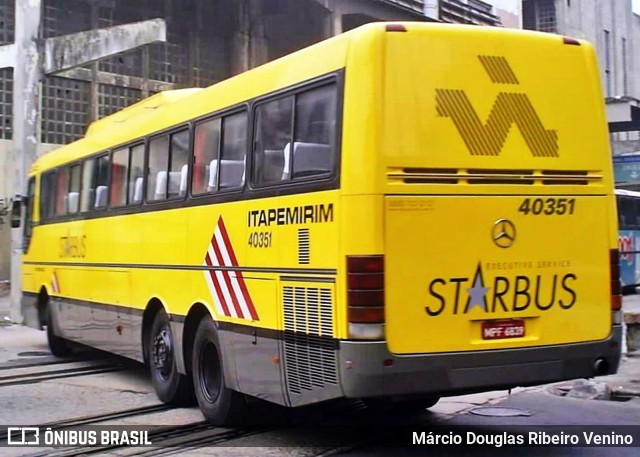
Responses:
[206,41]
[615,31]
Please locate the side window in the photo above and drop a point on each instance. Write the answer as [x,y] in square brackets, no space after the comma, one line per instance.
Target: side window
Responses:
[314,150]
[119,173]
[220,151]
[102,182]
[88,194]
[295,136]
[47,195]
[205,152]
[234,151]
[179,169]
[73,197]
[272,134]
[95,184]
[136,174]
[62,188]
[158,164]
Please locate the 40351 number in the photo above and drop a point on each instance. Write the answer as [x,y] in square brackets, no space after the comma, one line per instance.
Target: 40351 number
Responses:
[260,239]
[548,206]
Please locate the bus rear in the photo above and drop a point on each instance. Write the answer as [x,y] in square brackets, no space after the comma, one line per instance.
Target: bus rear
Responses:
[497,215]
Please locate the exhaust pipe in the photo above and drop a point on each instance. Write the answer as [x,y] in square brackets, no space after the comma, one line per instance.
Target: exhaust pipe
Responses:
[601,367]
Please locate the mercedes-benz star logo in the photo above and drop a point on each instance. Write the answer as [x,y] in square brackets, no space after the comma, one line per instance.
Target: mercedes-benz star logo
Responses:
[503,233]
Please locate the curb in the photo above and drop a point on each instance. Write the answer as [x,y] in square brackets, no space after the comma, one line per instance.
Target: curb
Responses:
[631,320]
[630,317]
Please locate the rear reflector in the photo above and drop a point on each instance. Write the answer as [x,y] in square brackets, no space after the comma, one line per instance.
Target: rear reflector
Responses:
[616,286]
[396,28]
[366,314]
[366,281]
[570,41]
[616,302]
[365,264]
[366,297]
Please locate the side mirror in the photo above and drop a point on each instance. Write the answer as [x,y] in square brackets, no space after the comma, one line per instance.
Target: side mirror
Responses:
[16,212]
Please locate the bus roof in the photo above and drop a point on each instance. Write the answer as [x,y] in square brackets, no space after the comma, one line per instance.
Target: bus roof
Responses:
[627,193]
[173,108]
[141,108]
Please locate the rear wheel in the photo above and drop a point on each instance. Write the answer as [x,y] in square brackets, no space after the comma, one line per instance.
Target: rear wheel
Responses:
[60,347]
[171,387]
[219,404]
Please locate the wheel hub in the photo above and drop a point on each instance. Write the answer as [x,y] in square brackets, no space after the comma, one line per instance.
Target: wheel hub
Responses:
[163,353]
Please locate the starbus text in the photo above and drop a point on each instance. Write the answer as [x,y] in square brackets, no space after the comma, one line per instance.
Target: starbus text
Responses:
[509,294]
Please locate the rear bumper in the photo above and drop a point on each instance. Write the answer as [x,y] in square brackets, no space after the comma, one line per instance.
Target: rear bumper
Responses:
[363,373]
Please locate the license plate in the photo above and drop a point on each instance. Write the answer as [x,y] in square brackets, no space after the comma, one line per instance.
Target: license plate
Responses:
[502,330]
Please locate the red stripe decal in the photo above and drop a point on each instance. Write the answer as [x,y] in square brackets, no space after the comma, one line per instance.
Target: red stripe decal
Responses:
[227,242]
[214,280]
[234,261]
[227,280]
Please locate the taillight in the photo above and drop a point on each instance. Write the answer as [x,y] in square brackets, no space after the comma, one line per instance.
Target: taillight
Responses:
[616,287]
[365,296]
[365,264]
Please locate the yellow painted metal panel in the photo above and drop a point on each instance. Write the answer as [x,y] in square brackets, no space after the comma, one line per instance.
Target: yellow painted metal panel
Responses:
[448,270]
[492,98]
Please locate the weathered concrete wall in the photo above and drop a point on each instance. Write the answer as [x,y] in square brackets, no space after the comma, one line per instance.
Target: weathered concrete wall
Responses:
[589,19]
[6,192]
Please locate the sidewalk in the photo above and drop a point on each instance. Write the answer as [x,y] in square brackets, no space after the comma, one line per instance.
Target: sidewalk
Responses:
[5,305]
[631,319]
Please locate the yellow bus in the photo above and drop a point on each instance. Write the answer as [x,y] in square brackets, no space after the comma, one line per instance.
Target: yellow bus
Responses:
[399,213]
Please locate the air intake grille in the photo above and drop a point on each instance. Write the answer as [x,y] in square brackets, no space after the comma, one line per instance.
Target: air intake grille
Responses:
[309,350]
[495,176]
[303,246]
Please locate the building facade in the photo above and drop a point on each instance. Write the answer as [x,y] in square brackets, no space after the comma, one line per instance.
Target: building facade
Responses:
[614,29]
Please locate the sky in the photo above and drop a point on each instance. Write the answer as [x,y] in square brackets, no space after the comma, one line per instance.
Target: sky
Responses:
[636,6]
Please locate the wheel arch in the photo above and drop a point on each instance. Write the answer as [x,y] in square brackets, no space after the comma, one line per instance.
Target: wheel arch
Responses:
[196,313]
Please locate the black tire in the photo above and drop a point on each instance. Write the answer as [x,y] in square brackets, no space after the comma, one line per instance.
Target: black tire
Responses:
[393,406]
[60,347]
[171,387]
[219,404]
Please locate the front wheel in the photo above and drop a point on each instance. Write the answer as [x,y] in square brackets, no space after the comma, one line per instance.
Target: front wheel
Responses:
[60,347]
[219,404]
[171,387]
